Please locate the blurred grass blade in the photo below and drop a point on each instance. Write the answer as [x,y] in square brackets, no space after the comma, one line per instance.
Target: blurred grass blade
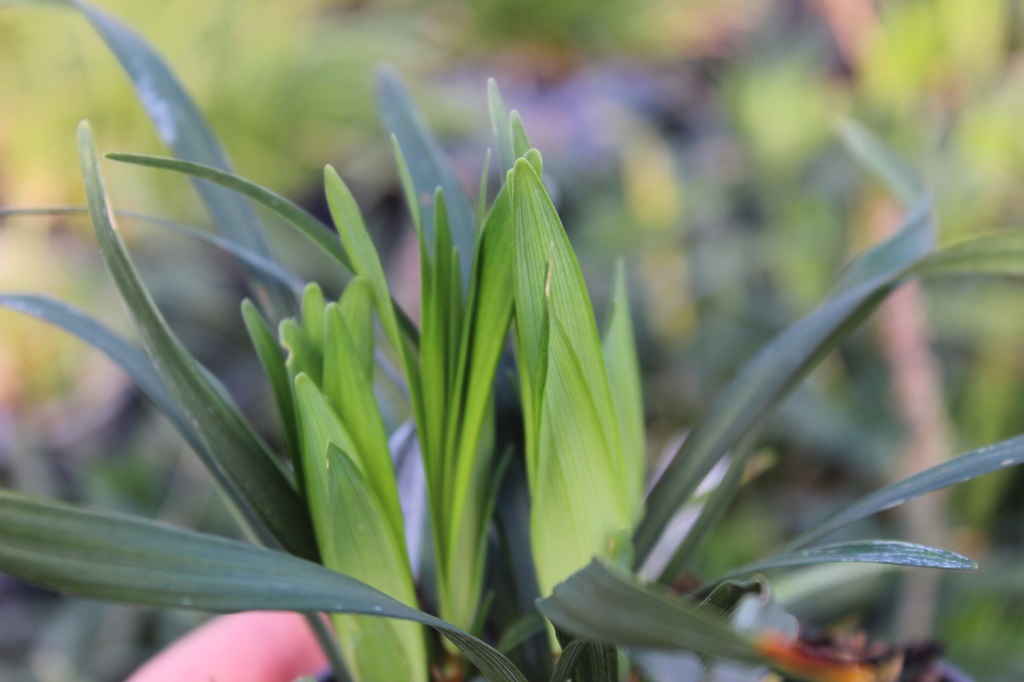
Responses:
[604,605]
[129,358]
[864,551]
[250,258]
[237,458]
[1001,253]
[102,555]
[428,166]
[963,468]
[758,390]
[894,255]
[900,177]
[500,124]
[182,127]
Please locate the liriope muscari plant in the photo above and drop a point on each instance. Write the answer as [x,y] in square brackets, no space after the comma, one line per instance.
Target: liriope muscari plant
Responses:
[331,519]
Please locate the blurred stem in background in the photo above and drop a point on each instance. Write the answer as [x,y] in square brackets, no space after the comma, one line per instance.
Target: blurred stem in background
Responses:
[917,395]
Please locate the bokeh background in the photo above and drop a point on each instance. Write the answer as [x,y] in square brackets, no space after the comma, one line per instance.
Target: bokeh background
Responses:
[695,138]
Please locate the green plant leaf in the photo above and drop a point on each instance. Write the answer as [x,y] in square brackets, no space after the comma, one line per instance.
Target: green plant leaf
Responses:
[252,259]
[237,458]
[350,391]
[624,377]
[900,177]
[575,461]
[520,141]
[356,307]
[522,630]
[272,360]
[758,390]
[428,166]
[957,470]
[864,551]
[363,254]
[366,548]
[585,660]
[293,214]
[499,123]
[567,662]
[1001,253]
[101,555]
[182,127]
[606,605]
[129,358]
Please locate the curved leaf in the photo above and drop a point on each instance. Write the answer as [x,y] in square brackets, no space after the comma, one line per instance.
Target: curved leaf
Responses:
[752,398]
[182,127]
[296,216]
[114,557]
[865,551]
[257,262]
[129,358]
[607,606]
[899,176]
[963,468]
[238,459]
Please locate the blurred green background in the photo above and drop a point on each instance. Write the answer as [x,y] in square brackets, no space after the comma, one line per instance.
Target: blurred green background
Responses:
[697,138]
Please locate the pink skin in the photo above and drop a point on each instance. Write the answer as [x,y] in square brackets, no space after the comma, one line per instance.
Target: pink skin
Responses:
[257,646]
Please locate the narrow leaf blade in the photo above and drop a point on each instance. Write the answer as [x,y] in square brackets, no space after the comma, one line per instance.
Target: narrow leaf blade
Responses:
[182,127]
[114,557]
[957,470]
[238,459]
[607,606]
[428,165]
[864,551]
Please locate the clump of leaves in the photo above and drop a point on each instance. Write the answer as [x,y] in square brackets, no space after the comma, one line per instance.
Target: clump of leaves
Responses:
[334,528]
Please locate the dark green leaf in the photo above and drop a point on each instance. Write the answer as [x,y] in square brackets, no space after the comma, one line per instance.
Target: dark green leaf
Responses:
[902,179]
[752,398]
[114,557]
[182,127]
[567,662]
[604,605]
[866,551]
[134,362]
[963,468]
[238,459]
[296,216]
[523,629]
[257,262]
